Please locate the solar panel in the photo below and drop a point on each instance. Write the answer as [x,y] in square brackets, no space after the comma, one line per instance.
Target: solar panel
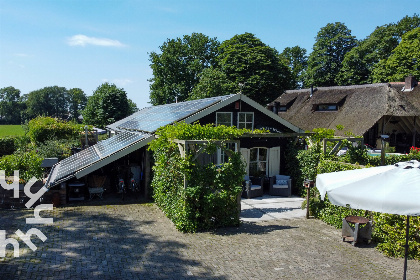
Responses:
[89,156]
[151,118]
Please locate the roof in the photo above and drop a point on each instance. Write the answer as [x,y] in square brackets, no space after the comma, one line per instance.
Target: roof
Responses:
[137,130]
[149,119]
[359,106]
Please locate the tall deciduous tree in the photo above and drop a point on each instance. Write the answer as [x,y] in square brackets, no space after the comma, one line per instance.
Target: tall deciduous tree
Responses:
[213,82]
[107,105]
[48,101]
[358,63]
[404,60]
[10,106]
[331,44]
[255,69]
[176,69]
[77,102]
[298,62]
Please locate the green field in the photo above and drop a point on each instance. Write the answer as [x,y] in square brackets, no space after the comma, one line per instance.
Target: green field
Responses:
[11,130]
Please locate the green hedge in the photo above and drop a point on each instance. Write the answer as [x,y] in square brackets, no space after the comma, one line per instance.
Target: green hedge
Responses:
[211,197]
[389,230]
[42,129]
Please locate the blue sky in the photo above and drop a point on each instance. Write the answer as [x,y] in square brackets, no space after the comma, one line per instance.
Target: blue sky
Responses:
[84,43]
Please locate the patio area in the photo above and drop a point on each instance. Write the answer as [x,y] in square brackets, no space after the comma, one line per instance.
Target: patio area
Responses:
[137,241]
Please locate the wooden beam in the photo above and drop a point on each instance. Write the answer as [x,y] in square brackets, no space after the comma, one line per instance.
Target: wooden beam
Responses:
[281,135]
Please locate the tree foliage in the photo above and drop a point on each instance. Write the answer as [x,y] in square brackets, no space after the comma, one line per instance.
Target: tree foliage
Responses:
[358,64]
[176,69]
[107,105]
[77,102]
[404,60]
[10,106]
[256,70]
[297,62]
[48,101]
[213,82]
[332,43]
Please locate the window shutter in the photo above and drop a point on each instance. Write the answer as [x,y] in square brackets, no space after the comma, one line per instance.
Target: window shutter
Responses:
[245,156]
[274,161]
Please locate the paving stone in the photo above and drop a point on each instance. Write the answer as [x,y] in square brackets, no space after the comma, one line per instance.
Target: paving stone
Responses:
[137,241]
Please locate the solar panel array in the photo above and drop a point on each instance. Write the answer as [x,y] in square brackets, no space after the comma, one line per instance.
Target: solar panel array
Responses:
[140,123]
[151,118]
[101,150]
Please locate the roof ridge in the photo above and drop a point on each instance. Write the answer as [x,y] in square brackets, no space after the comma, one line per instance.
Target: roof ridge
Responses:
[338,87]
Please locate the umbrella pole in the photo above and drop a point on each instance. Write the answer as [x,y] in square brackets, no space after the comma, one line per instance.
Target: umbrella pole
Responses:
[406,247]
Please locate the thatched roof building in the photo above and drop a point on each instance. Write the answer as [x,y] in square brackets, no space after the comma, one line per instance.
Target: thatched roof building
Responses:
[369,110]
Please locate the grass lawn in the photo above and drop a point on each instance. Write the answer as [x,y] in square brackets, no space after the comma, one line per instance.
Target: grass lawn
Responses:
[11,130]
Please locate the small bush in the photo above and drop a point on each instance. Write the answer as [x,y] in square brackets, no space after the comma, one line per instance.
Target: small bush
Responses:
[28,164]
[60,149]
[7,146]
[42,129]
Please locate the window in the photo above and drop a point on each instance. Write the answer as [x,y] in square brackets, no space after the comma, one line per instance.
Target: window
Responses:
[258,162]
[246,120]
[224,118]
[282,108]
[327,107]
[223,156]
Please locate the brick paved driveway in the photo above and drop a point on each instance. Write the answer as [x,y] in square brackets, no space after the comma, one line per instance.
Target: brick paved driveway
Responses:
[136,241]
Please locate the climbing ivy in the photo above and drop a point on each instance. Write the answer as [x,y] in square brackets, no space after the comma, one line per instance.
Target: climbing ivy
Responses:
[210,199]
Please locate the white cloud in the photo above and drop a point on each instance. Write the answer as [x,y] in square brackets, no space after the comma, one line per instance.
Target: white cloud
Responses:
[83,40]
[21,55]
[118,82]
[122,82]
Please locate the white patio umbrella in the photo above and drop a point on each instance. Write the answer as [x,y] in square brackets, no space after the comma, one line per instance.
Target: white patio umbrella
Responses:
[392,189]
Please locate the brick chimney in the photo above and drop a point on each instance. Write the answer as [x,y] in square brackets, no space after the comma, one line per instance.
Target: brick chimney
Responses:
[410,82]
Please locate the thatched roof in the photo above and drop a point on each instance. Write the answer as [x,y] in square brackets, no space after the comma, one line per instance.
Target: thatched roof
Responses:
[359,106]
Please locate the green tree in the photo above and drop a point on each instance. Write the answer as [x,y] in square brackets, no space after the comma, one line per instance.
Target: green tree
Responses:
[213,82]
[255,69]
[359,62]
[177,67]
[298,62]
[132,107]
[10,106]
[48,101]
[404,60]
[77,102]
[107,105]
[331,44]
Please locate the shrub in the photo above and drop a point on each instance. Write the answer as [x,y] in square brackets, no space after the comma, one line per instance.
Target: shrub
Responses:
[28,164]
[210,198]
[60,149]
[7,146]
[42,129]
[389,230]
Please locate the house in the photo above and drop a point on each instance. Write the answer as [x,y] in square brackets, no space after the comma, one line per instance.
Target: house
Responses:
[367,110]
[127,149]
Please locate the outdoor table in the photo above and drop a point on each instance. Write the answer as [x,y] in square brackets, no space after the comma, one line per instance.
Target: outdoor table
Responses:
[357,229]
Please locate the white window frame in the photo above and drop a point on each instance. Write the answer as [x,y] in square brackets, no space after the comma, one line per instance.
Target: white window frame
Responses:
[246,122]
[221,153]
[258,161]
[217,113]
